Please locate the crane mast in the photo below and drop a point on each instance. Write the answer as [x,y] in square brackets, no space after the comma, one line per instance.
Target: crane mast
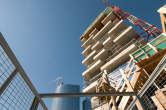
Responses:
[148,29]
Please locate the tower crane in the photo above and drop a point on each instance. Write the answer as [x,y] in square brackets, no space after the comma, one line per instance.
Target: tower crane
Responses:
[148,29]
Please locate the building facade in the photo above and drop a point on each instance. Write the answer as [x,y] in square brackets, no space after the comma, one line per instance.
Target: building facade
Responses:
[66,103]
[112,47]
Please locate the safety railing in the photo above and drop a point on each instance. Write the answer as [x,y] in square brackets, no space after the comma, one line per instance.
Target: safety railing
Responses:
[16,90]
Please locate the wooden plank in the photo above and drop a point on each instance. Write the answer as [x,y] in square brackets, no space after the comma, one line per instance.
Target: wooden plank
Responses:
[154,48]
[125,100]
[151,47]
[157,103]
[164,88]
[161,97]
[162,22]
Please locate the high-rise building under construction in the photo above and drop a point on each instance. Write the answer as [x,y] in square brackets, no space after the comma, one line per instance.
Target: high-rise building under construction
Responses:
[119,59]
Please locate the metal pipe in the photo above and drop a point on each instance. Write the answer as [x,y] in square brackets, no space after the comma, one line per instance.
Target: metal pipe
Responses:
[51,95]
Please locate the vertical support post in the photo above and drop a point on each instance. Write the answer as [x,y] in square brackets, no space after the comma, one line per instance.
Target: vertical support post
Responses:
[35,104]
[114,107]
[130,88]
[16,63]
[161,97]
[162,21]
[140,104]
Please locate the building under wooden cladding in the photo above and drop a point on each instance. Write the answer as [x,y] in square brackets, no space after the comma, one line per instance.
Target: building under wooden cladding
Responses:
[112,47]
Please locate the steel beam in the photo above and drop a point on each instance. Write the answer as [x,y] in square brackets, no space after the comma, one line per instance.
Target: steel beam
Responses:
[51,95]
[35,104]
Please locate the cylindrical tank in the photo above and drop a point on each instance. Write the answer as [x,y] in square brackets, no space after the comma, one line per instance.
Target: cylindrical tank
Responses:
[66,103]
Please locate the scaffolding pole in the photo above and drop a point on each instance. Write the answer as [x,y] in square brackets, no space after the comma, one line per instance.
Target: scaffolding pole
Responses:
[51,95]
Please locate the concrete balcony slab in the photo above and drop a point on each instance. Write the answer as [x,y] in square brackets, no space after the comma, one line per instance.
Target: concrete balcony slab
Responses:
[121,58]
[109,17]
[98,45]
[103,31]
[120,26]
[94,32]
[103,54]
[87,51]
[89,58]
[125,36]
[90,88]
[88,42]
[96,66]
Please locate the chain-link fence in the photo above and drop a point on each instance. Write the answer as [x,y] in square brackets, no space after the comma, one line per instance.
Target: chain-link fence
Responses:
[16,90]
[153,93]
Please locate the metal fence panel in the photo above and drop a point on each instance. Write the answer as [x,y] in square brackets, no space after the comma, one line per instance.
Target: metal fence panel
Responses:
[153,93]
[16,90]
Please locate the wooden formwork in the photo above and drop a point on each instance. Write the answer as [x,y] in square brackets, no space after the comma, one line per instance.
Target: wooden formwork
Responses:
[143,69]
[151,62]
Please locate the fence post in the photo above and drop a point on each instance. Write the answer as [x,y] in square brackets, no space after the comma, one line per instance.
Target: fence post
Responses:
[35,104]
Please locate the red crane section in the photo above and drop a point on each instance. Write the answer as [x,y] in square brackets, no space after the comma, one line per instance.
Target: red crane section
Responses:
[148,29]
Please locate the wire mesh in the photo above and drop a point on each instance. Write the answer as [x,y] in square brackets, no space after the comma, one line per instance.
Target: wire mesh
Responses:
[135,108]
[147,98]
[155,97]
[6,66]
[17,93]
[161,80]
[40,107]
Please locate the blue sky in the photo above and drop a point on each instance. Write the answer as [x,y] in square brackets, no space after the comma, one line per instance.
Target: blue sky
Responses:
[44,34]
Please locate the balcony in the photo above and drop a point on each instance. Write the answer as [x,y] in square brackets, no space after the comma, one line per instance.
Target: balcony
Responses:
[87,51]
[83,40]
[97,46]
[119,57]
[94,32]
[125,36]
[103,31]
[103,54]
[91,71]
[120,26]
[89,58]
[108,42]
[114,33]
[90,85]
[90,88]
[88,42]
[109,17]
